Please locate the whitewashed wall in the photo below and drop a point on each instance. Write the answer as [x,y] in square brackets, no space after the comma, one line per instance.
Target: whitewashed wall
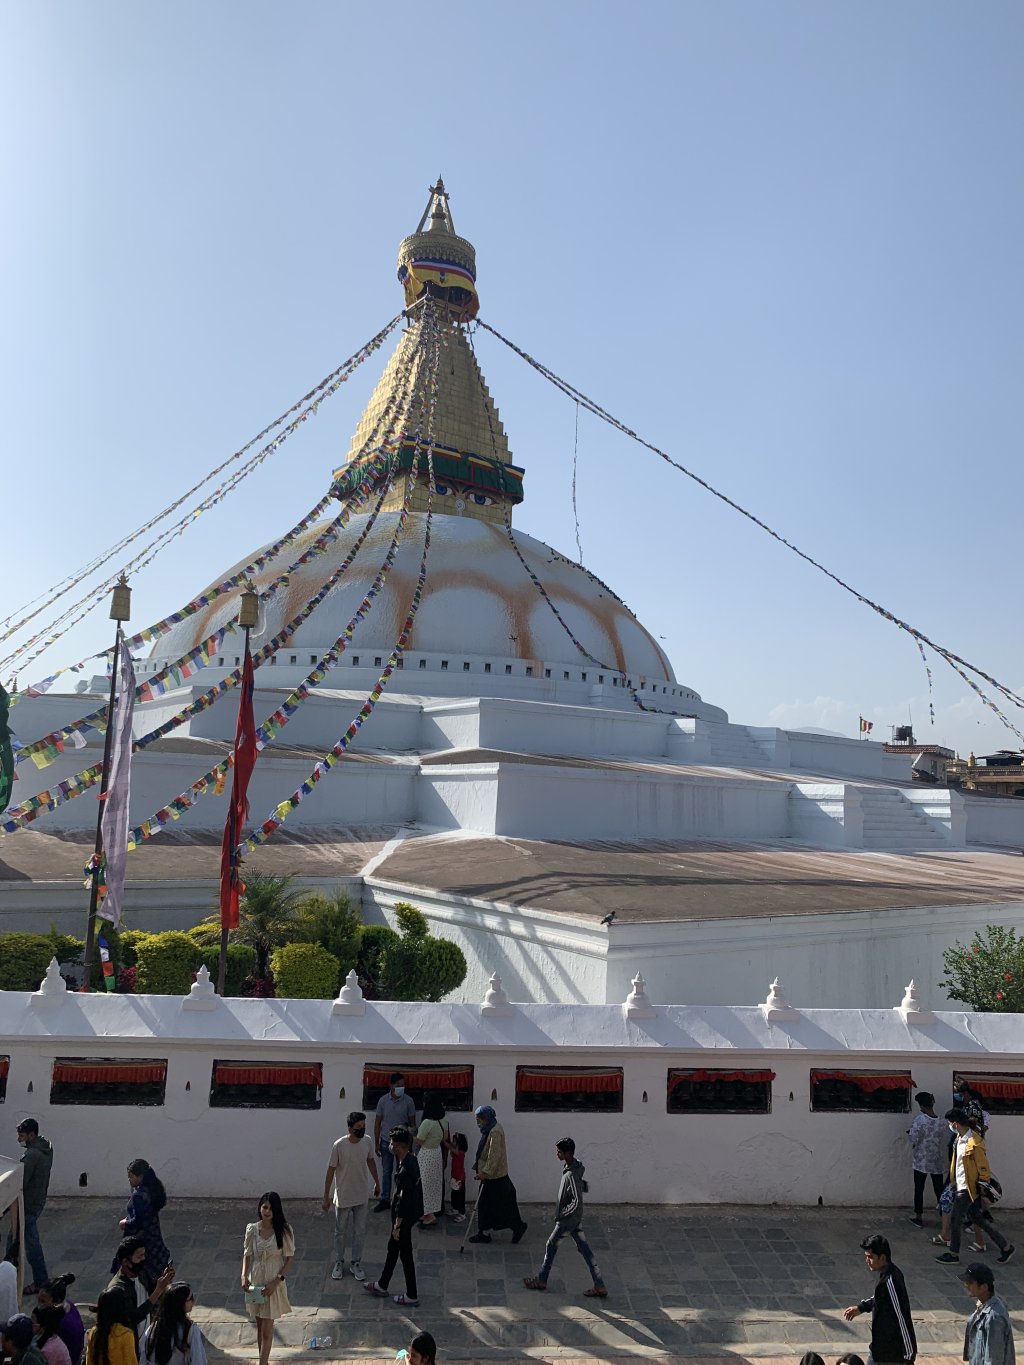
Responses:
[642,1155]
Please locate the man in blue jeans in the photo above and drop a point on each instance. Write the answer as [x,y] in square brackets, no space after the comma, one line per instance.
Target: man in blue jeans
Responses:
[394,1110]
[36,1163]
[569,1223]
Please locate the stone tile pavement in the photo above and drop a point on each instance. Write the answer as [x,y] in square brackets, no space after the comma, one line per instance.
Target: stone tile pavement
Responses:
[710,1283]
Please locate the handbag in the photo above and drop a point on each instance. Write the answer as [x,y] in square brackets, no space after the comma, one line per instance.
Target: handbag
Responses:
[254,1294]
[990,1189]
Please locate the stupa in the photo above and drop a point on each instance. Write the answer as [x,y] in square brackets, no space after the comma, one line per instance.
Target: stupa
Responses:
[483,628]
[533,762]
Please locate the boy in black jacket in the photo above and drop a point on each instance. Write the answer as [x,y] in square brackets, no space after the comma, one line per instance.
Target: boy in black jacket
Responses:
[406,1212]
[892,1332]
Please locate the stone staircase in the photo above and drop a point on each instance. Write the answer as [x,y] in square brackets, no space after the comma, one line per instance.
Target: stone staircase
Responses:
[732,746]
[891,822]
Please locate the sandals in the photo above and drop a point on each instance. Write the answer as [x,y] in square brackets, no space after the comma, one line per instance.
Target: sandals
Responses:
[975,1247]
[596,1291]
[534,1283]
[940,1242]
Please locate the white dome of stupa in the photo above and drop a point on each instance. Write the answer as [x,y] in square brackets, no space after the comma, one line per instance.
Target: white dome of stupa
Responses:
[483,622]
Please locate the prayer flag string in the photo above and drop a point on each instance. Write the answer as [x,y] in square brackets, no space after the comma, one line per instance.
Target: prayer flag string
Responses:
[954,660]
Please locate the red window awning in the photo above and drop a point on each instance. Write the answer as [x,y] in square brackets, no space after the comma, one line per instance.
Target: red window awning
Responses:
[460,1078]
[86,1072]
[273,1073]
[868,1080]
[746,1077]
[1002,1088]
[552,1082]
[5,1063]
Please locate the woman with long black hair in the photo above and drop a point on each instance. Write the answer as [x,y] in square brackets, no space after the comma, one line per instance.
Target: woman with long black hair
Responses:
[142,1218]
[172,1338]
[267,1255]
[112,1340]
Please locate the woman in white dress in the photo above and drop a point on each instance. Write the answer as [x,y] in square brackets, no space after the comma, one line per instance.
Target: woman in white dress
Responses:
[431,1141]
[267,1255]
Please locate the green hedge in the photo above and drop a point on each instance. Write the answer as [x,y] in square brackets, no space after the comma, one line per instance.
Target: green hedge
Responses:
[24,959]
[374,942]
[305,971]
[240,964]
[166,963]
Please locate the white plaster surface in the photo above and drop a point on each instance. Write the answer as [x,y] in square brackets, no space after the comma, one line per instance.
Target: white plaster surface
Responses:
[790,1155]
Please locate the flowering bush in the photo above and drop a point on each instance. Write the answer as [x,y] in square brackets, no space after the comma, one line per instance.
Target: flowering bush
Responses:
[988,974]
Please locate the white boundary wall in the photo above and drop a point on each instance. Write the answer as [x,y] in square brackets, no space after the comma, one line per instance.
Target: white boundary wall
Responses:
[643,1154]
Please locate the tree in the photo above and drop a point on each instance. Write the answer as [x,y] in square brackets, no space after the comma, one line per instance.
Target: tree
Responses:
[331,921]
[411,965]
[988,975]
[266,917]
[305,971]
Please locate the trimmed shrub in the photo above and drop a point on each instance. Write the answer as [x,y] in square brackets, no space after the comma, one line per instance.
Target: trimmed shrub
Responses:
[305,971]
[166,964]
[24,959]
[374,941]
[240,964]
[412,923]
[442,969]
[331,921]
[206,934]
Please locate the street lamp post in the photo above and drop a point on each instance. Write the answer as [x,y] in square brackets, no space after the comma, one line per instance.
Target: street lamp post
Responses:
[120,610]
[248,614]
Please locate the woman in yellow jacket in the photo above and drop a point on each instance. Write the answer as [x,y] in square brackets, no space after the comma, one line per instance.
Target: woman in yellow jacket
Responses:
[969,1165]
[112,1340]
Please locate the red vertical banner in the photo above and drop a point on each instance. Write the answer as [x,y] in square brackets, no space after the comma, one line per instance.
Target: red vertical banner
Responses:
[245,752]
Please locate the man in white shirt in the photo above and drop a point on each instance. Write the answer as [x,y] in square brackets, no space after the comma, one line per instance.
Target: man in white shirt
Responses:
[352,1171]
[8,1290]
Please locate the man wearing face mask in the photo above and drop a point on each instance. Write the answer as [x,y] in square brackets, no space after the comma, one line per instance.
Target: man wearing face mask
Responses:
[394,1110]
[353,1172]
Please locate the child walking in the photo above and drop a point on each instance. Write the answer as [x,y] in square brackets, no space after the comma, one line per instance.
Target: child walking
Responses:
[457,1186]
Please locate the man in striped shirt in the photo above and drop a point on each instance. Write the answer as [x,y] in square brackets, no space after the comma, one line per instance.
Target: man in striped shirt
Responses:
[892,1331]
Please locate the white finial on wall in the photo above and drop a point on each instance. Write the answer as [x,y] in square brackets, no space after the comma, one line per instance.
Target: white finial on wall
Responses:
[637,1005]
[53,989]
[202,996]
[911,1008]
[777,1006]
[350,998]
[496,1002]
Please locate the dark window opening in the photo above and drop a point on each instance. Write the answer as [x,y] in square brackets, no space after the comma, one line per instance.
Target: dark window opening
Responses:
[5,1066]
[454,1085]
[444,665]
[108,1080]
[423,663]
[583,677]
[870,1092]
[266,1085]
[529,671]
[1000,1092]
[355,660]
[565,675]
[465,666]
[508,668]
[568,1090]
[547,672]
[378,660]
[487,668]
[700,1091]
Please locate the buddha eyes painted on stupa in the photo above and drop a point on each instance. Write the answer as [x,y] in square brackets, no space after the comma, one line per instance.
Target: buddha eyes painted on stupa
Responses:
[457,490]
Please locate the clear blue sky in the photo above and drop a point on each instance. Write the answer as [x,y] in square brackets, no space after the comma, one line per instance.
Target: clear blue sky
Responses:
[783,241]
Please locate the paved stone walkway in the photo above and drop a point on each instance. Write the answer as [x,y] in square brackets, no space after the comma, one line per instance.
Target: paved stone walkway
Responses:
[695,1282]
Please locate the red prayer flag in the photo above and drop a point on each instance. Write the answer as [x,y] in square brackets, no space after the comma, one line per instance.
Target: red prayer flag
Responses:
[238,810]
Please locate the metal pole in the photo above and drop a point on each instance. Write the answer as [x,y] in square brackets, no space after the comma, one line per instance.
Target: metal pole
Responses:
[94,891]
[247,616]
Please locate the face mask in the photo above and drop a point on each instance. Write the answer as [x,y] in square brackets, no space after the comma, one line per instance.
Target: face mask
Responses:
[957,1096]
[358,1132]
[399,1091]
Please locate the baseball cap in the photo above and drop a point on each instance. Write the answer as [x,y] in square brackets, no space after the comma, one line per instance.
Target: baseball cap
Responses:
[28,1126]
[979,1272]
[19,1330]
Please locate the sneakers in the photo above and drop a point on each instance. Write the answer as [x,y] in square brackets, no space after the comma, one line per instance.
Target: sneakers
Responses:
[404,1301]
[520,1232]
[337,1270]
[372,1287]
[381,1205]
[917,1222]
[480,1237]
[1004,1256]
[358,1272]
[947,1258]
